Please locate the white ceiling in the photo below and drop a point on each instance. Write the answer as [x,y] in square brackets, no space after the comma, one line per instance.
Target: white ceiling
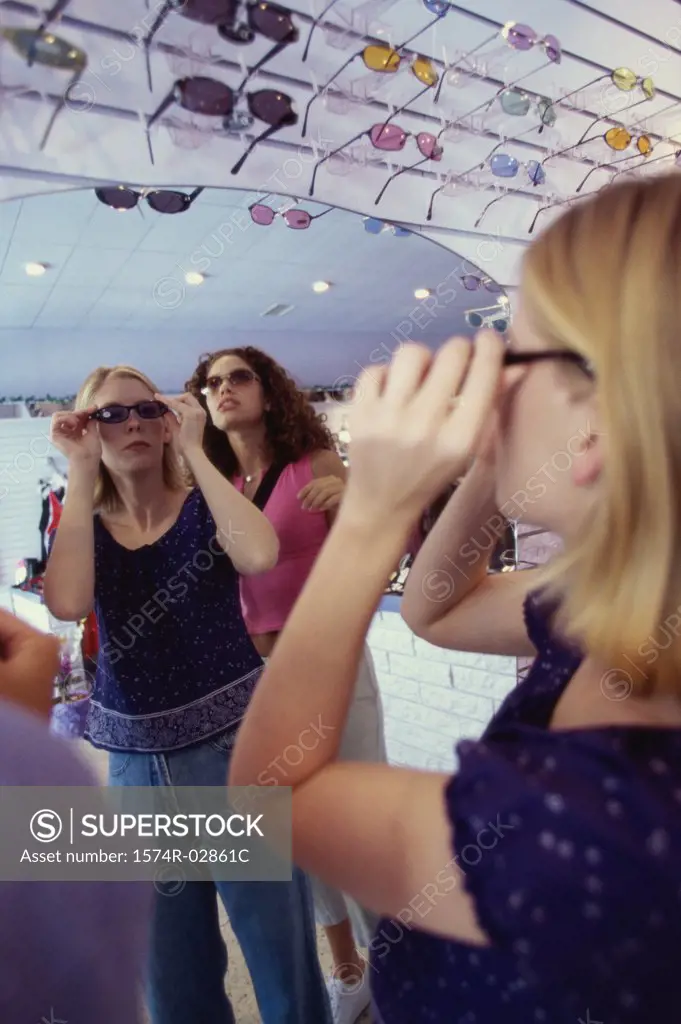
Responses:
[100,138]
[120,277]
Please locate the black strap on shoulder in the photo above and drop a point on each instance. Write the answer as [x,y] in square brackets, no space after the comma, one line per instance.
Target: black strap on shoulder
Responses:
[267,485]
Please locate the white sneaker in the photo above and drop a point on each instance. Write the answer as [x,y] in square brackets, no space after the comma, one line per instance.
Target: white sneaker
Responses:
[348,1001]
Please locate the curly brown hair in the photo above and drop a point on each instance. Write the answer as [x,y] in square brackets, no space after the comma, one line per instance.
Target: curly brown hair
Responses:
[293,428]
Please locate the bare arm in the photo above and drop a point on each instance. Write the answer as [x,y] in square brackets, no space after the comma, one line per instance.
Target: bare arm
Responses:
[243,531]
[69,586]
[327,468]
[450,599]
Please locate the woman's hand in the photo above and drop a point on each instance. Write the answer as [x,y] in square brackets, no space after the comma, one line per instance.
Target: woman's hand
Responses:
[29,663]
[322,494]
[76,436]
[409,440]
[188,423]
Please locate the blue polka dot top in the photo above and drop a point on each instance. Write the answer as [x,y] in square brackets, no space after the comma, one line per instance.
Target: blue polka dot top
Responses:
[570,844]
[176,664]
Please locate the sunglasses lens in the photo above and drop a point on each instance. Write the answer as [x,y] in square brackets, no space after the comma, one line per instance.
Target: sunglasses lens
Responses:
[381,58]
[240,377]
[113,414]
[547,112]
[536,172]
[428,146]
[520,37]
[493,288]
[118,198]
[400,232]
[474,319]
[212,384]
[425,71]
[167,202]
[644,145]
[439,7]
[207,12]
[624,79]
[648,87]
[261,214]
[388,137]
[272,107]
[150,410]
[500,326]
[553,49]
[206,96]
[272,22]
[618,138]
[298,219]
[373,226]
[504,166]
[45,49]
[515,102]
[470,282]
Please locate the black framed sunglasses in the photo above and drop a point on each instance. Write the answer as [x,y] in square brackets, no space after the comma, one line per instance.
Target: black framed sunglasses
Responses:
[261,18]
[115,413]
[118,197]
[207,96]
[566,355]
[238,378]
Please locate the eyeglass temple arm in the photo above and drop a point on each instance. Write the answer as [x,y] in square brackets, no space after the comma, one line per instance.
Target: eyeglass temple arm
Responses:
[270,130]
[168,101]
[465,56]
[64,99]
[270,55]
[316,216]
[324,88]
[328,156]
[195,194]
[314,26]
[146,42]
[491,203]
[396,174]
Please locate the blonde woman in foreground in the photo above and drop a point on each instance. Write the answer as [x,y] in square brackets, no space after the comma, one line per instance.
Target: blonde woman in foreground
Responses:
[542,882]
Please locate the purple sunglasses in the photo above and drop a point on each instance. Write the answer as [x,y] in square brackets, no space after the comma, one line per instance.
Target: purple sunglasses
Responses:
[211,98]
[294,218]
[389,138]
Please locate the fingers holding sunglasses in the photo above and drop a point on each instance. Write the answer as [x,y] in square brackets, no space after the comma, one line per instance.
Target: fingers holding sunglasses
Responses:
[476,400]
[75,435]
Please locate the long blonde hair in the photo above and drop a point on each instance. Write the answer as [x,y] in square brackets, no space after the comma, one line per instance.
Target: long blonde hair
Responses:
[605,280]
[106,498]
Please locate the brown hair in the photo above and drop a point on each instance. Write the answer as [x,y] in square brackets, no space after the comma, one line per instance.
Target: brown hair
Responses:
[604,280]
[106,497]
[293,427]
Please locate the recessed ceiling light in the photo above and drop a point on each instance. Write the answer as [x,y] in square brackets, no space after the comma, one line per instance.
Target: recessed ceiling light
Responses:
[421,293]
[35,269]
[321,286]
[193,277]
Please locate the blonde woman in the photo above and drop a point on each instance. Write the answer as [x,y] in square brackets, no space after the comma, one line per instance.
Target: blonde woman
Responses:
[160,564]
[541,882]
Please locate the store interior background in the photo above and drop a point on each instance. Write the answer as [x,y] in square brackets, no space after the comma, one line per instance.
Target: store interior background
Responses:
[99,300]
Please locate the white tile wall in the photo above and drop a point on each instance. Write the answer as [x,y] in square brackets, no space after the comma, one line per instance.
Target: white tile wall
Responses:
[433,697]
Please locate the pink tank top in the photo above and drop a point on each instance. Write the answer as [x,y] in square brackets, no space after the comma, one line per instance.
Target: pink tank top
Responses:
[268,598]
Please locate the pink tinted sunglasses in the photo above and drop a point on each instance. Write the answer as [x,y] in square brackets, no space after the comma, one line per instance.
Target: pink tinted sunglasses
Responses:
[294,218]
[389,138]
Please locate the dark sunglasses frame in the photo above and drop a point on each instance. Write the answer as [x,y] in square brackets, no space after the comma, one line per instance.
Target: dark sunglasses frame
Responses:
[230,99]
[185,199]
[228,26]
[232,378]
[522,358]
[160,410]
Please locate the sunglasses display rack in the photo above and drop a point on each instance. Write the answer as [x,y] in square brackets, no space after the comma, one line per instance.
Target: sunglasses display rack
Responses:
[426,114]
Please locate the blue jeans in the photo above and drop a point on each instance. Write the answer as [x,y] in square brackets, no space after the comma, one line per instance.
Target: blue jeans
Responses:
[273,921]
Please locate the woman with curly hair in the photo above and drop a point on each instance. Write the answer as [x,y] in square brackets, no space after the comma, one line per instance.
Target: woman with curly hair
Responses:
[267,439]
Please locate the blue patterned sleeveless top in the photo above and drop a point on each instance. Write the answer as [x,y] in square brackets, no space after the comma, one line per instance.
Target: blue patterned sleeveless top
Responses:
[176,664]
